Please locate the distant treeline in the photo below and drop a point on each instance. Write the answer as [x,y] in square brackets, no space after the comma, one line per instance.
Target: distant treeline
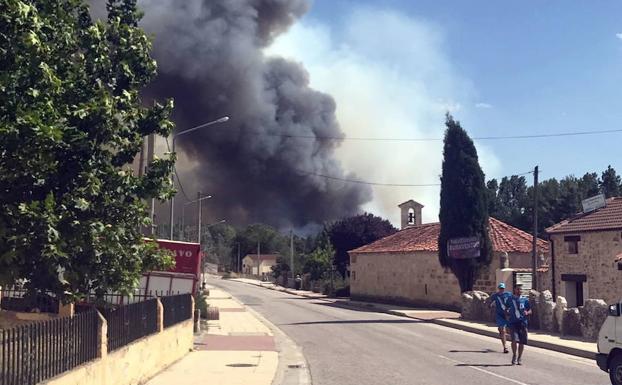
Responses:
[511,201]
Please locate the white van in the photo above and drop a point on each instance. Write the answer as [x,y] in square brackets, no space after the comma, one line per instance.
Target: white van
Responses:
[609,357]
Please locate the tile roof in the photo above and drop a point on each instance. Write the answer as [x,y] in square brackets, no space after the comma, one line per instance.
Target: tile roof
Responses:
[606,218]
[504,238]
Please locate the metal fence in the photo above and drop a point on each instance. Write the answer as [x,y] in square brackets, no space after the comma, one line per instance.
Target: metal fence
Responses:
[15,299]
[177,308]
[127,323]
[38,351]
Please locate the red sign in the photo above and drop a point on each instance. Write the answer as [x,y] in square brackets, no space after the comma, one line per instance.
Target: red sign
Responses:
[187,256]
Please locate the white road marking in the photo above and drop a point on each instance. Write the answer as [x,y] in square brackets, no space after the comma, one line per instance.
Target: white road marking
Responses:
[484,371]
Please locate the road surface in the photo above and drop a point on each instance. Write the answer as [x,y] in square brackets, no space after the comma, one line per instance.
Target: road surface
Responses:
[351,347]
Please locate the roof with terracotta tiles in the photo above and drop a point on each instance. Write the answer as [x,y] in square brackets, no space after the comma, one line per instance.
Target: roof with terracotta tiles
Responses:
[605,218]
[504,238]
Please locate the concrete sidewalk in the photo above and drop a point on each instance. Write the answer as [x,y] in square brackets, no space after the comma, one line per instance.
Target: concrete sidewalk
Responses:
[238,349]
[568,345]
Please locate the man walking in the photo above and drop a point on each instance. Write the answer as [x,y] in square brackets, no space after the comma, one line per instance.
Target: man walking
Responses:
[499,300]
[518,310]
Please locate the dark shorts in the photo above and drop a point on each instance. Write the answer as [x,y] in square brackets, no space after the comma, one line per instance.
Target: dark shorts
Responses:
[518,331]
[501,321]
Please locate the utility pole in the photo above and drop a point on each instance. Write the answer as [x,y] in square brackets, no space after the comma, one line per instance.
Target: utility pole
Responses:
[239,267]
[534,251]
[258,256]
[291,251]
[200,217]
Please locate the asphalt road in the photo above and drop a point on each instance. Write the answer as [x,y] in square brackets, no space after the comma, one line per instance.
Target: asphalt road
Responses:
[350,347]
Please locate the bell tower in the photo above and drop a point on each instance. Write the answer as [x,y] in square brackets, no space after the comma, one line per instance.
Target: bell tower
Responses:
[410,213]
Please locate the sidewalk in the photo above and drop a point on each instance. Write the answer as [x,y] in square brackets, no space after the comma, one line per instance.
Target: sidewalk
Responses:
[238,349]
[568,345]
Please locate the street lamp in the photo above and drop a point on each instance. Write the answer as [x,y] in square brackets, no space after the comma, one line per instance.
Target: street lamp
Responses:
[183,214]
[175,136]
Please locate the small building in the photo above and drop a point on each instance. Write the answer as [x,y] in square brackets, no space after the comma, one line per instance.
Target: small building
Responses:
[404,267]
[586,255]
[259,264]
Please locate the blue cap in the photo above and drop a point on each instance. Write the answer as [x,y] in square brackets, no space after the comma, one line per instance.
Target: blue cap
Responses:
[501,286]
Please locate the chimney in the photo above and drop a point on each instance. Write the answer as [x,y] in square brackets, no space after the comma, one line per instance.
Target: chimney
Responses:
[410,213]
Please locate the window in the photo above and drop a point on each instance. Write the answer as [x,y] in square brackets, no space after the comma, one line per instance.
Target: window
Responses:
[572,244]
[411,216]
[353,274]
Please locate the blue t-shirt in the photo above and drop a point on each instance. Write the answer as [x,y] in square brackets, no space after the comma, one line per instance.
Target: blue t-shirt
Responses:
[500,302]
[516,309]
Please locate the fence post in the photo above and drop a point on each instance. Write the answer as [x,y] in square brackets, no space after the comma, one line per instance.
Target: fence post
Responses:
[160,315]
[102,336]
[66,310]
[192,306]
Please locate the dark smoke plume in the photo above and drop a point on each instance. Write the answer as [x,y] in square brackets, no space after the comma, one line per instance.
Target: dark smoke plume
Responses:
[210,60]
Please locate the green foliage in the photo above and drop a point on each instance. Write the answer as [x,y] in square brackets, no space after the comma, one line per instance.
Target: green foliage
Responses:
[200,301]
[464,204]
[280,269]
[610,183]
[512,201]
[70,121]
[318,263]
[217,241]
[352,232]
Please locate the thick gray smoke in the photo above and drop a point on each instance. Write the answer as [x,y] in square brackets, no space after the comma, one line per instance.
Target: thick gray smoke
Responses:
[210,60]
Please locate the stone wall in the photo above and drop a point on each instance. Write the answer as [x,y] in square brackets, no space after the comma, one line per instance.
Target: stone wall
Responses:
[410,278]
[416,278]
[547,316]
[595,259]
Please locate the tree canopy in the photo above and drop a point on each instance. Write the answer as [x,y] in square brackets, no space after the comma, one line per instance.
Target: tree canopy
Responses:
[71,120]
[511,200]
[464,204]
[352,232]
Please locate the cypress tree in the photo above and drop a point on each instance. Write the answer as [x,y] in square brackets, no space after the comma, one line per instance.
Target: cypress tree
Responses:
[464,204]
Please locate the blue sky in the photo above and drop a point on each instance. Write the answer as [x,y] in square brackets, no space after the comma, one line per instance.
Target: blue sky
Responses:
[503,68]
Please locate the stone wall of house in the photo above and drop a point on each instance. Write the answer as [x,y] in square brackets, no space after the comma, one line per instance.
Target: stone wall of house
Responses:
[410,278]
[595,259]
[416,278]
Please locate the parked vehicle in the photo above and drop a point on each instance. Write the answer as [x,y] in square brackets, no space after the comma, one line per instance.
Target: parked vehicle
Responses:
[609,357]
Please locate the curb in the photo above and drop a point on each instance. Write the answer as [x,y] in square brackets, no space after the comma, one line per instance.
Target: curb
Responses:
[532,342]
[467,328]
[446,323]
[292,367]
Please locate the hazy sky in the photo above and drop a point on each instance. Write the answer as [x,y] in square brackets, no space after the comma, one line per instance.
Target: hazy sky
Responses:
[501,68]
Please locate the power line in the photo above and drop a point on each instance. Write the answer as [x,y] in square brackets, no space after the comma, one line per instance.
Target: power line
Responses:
[384,184]
[366,182]
[376,139]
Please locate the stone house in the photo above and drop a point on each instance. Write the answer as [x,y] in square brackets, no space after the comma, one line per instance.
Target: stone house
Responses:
[404,267]
[259,265]
[586,255]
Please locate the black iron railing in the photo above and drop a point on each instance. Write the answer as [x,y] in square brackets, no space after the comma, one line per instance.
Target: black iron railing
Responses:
[38,351]
[128,323]
[21,301]
[177,308]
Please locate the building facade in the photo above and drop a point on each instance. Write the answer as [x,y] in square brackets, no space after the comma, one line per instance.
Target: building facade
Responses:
[586,255]
[404,267]
[259,265]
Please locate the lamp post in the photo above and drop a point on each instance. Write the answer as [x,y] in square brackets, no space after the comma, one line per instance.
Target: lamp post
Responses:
[175,136]
[183,213]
